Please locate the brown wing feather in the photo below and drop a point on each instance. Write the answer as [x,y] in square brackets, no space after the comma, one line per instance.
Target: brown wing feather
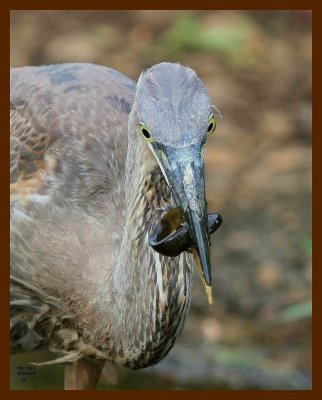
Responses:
[61,117]
[27,155]
[31,116]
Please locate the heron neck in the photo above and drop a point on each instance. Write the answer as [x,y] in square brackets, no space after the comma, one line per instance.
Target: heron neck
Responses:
[152,292]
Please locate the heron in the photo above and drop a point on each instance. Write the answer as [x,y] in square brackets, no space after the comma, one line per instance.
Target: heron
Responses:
[108,212]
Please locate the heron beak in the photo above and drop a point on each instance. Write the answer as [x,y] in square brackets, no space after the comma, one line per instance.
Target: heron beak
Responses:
[198,229]
[184,170]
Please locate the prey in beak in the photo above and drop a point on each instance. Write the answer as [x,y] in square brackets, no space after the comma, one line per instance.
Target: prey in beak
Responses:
[188,226]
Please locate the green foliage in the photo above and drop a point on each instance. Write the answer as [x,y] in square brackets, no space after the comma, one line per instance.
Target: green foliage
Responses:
[228,41]
[306,244]
[296,312]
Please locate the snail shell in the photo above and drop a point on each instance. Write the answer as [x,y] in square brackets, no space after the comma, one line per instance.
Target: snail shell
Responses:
[170,235]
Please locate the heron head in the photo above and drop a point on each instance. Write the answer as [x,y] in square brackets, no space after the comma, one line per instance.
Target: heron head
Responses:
[174,117]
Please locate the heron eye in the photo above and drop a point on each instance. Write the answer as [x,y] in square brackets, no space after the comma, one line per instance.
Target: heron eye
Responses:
[145,133]
[211,124]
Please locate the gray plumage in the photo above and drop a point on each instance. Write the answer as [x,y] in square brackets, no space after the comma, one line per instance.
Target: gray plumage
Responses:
[85,188]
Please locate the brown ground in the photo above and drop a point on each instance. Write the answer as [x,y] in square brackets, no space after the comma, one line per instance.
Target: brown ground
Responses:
[257,67]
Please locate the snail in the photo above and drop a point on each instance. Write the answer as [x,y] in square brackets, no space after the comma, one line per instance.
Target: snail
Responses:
[170,235]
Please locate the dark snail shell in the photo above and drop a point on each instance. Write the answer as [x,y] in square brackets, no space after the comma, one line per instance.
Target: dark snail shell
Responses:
[214,222]
[170,236]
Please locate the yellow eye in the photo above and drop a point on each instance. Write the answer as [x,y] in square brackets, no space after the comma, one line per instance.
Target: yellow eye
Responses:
[211,124]
[145,133]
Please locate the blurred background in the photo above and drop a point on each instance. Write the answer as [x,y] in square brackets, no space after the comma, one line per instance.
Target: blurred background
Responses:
[257,68]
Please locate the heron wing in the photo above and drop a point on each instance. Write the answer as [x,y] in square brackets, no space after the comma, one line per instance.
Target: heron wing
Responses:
[68,133]
[61,116]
